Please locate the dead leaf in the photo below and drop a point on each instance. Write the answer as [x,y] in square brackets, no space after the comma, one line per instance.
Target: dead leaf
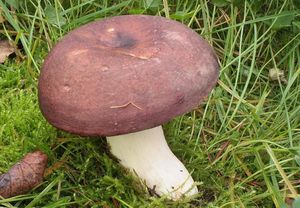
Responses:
[2,19]
[5,50]
[24,175]
[277,75]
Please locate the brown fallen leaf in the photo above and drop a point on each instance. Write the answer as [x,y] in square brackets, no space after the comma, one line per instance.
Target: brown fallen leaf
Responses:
[1,16]
[5,50]
[24,175]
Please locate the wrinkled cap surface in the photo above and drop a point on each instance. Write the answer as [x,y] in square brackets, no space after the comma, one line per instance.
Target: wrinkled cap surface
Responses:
[124,74]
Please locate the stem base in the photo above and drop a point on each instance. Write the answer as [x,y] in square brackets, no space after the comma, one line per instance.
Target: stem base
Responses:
[147,154]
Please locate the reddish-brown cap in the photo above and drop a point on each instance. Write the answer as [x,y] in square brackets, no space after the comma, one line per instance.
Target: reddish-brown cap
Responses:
[125,74]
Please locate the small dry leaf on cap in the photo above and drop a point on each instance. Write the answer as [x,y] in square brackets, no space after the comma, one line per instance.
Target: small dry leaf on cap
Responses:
[5,50]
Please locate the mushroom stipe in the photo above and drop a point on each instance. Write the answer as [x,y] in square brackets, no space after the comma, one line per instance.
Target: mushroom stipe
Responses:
[122,77]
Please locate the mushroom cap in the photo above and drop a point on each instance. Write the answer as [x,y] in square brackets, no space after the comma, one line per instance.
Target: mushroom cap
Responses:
[125,74]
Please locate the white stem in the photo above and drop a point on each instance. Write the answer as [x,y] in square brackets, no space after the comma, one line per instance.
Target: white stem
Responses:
[147,154]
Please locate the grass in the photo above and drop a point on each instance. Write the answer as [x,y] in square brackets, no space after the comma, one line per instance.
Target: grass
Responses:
[241,144]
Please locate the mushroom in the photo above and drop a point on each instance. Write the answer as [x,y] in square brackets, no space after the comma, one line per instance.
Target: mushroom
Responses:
[123,77]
